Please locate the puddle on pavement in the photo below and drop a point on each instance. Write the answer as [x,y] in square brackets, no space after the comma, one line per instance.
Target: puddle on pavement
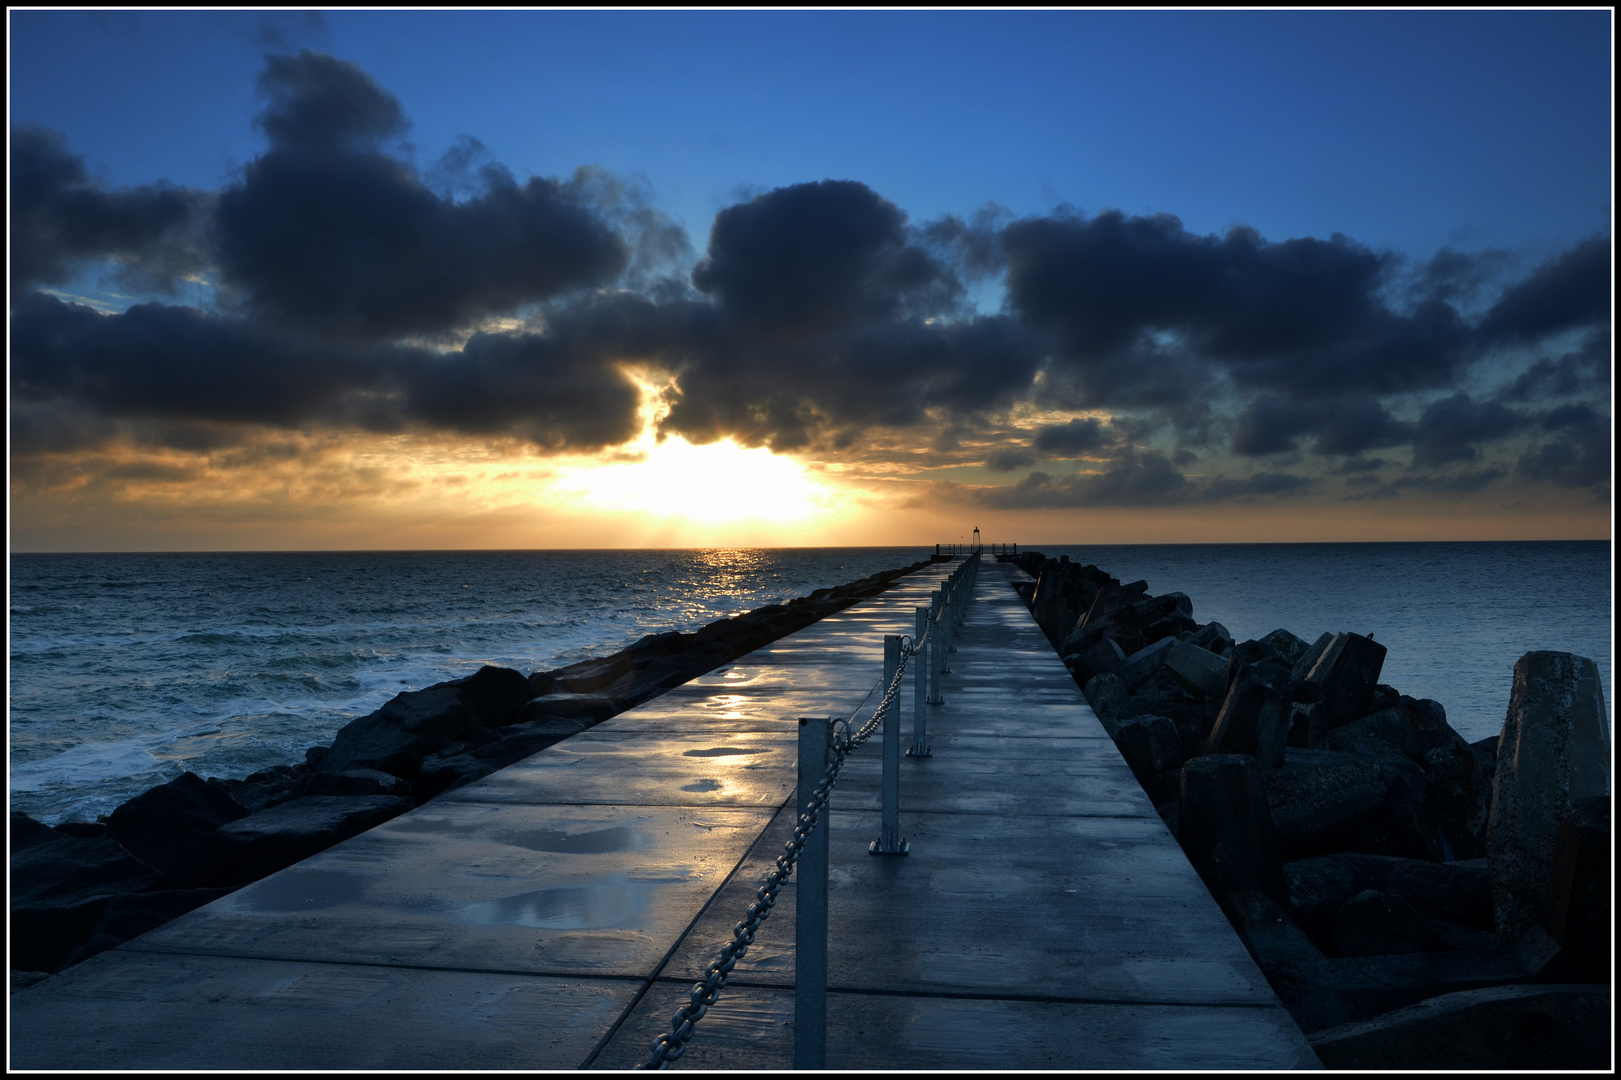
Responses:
[302,890]
[702,785]
[590,907]
[720,751]
[597,842]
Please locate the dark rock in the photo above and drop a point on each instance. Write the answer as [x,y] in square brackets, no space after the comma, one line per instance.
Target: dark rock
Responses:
[1199,671]
[1109,700]
[1321,799]
[495,694]
[1149,744]
[441,773]
[396,738]
[1374,923]
[1457,799]
[1165,788]
[1256,716]
[355,782]
[1554,750]
[1576,907]
[1410,726]
[273,839]
[1500,1027]
[588,709]
[26,832]
[1320,886]
[84,830]
[315,756]
[1225,827]
[1384,696]
[522,740]
[1309,658]
[1488,748]
[168,826]
[1145,663]
[1213,637]
[1103,658]
[132,914]
[1285,646]
[1347,671]
[60,887]
[589,676]
[541,683]
[1281,950]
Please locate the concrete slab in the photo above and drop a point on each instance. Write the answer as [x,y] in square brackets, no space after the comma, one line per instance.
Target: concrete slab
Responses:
[162,1011]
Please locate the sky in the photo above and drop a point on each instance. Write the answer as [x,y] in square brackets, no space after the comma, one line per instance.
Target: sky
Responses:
[510,279]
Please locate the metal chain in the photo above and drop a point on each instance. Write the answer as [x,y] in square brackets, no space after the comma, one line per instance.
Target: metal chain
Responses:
[673,1044]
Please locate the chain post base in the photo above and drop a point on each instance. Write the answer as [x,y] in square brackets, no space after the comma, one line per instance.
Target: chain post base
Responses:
[874,849]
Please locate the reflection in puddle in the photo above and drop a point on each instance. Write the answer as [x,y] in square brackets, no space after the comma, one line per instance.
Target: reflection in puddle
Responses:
[618,838]
[428,825]
[702,785]
[589,908]
[720,751]
[302,890]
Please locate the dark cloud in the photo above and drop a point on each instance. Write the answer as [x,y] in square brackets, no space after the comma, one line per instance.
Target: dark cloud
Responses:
[1009,460]
[1585,370]
[1465,483]
[1258,484]
[1302,317]
[327,234]
[1569,291]
[1271,425]
[802,261]
[171,364]
[61,215]
[1452,428]
[1074,438]
[1581,456]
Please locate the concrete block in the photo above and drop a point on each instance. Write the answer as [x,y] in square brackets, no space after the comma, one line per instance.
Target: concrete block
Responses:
[1150,745]
[1145,663]
[1554,750]
[1347,671]
[1502,1027]
[1576,909]
[1256,716]
[1225,827]
[1198,670]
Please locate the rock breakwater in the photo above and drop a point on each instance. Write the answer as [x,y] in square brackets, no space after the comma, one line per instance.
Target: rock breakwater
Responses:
[1400,887]
[80,888]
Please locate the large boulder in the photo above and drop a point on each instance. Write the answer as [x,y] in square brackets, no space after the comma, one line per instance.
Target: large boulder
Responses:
[1319,887]
[1347,672]
[1150,745]
[1413,727]
[1288,648]
[1256,715]
[168,826]
[60,887]
[1321,800]
[1213,637]
[1555,749]
[1199,671]
[396,738]
[274,839]
[1225,828]
[129,915]
[1145,663]
[1500,1027]
[1374,923]
[1109,700]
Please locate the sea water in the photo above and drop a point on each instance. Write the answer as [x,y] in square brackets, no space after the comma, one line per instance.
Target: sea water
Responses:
[126,670]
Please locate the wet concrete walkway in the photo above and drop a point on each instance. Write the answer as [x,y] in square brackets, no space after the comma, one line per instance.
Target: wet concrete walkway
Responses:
[555,914]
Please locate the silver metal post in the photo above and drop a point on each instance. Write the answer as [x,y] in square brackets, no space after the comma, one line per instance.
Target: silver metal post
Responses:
[889,840]
[810,904]
[935,653]
[920,689]
[941,603]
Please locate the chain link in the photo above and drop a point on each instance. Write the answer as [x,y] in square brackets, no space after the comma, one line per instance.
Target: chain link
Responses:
[671,1046]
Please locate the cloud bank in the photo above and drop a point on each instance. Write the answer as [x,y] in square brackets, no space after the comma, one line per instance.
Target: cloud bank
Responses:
[1132,363]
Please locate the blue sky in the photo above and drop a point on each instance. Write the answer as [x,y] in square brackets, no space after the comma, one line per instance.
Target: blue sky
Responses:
[1408,130]
[1382,309]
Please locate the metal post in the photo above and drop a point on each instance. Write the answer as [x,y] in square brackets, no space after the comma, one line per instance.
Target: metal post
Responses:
[920,689]
[935,653]
[889,840]
[941,604]
[810,905]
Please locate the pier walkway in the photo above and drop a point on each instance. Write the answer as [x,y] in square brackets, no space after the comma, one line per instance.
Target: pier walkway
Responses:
[557,913]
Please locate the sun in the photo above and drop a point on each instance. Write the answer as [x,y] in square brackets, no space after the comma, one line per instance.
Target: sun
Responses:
[718,483]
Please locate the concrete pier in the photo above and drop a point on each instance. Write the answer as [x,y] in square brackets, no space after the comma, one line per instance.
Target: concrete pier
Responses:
[557,913]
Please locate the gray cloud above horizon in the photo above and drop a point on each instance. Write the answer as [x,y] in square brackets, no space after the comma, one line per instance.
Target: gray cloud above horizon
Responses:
[353,291]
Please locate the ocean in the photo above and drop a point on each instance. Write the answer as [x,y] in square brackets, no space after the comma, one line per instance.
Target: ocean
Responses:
[126,670]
